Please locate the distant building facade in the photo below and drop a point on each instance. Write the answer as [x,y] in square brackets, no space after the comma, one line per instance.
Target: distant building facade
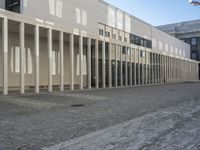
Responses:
[188,32]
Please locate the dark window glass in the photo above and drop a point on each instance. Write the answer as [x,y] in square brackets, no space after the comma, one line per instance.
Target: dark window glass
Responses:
[101,32]
[123,50]
[141,53]
[114,36]
[145,43]
[120,37]
[187,41]
[125,39]
[194,56]
[107,34]
[137,40]
[193,41]
[13,5]
[141,41]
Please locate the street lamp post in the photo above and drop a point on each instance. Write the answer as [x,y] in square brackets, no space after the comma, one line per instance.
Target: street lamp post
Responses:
[194,2]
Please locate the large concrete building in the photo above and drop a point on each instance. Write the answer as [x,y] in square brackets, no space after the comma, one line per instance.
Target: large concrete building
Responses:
[188,32]
[64,44]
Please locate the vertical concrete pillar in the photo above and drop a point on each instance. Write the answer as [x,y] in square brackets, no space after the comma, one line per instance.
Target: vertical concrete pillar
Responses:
[72,61]
[179,73]
[131,67]
[160,71]
[161,67]
[110,64]
[139,67]
[126,67]
[97,63]
[61,47]
[166,65]
[170,70]
[89,62]
[103,64]
[22,56]
[135,67]
[50,59]
[146,68]
[157,68]
[37,58]
[152,68]
[142,63]
[80,62]
[176,70]
[169,59]
[116,67]
[164,69]
[5,55]
[121,66]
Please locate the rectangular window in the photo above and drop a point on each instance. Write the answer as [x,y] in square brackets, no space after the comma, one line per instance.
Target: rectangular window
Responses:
[125,39]
[114,36]
[123,50]
[137,40]
[193,41]
[120,37]
[101,32]
[142,53]
[107,34]
[13,5]
[78,16]
[128,51]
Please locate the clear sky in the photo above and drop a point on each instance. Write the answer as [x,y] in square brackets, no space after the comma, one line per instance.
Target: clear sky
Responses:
[159,12]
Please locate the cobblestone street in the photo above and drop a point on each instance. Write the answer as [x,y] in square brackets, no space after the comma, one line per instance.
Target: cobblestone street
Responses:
[136,118]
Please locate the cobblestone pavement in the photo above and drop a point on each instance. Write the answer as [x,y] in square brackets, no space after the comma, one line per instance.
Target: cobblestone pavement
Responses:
[142,118]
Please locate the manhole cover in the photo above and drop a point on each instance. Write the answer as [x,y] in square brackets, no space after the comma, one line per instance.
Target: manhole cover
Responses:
[171,90]
[77,105]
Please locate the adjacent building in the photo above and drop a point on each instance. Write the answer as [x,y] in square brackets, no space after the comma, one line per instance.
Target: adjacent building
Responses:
[188,32]
[64,44]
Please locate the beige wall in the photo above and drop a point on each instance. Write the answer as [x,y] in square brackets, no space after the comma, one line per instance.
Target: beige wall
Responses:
[14,77]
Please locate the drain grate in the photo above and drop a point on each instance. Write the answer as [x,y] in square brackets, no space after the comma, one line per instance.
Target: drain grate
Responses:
[171,90]
[77,105]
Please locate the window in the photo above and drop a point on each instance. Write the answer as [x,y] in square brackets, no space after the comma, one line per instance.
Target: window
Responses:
[13,5]
[194,55]
[123,50]
[145,43]
[120,37]
[78,16]
[193,41]
[101,32]
[128,51]
[125,39]
[107,34]
[114,36]
[141,42]
[141,53]
[137,40]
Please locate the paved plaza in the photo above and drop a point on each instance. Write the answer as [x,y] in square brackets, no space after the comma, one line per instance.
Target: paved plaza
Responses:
[134,118]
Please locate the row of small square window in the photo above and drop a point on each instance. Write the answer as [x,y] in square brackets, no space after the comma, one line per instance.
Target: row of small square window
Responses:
[127,50]
[192,41]
[114,36]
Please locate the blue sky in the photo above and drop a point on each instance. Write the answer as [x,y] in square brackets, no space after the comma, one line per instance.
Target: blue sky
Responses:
[159,12]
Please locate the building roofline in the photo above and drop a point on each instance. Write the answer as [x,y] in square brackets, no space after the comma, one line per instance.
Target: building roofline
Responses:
[131,15]
[189,21]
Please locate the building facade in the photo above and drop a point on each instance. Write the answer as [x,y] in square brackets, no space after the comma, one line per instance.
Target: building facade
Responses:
[63,44]
[188,32]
